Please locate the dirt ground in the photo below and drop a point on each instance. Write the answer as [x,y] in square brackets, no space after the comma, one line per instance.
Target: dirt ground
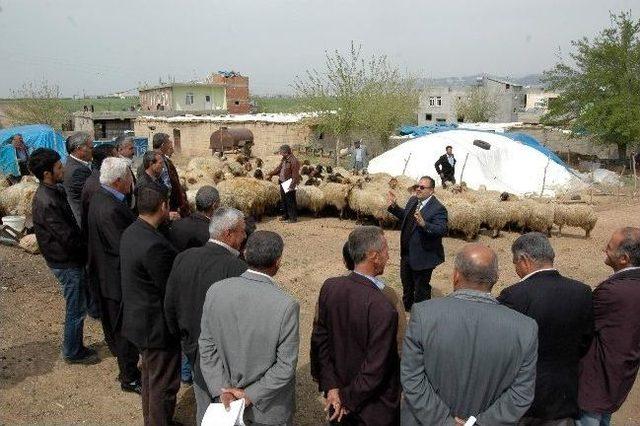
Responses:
[37,387]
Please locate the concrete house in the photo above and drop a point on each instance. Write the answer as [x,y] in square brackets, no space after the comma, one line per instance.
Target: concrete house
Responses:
[195,97]
[438,104]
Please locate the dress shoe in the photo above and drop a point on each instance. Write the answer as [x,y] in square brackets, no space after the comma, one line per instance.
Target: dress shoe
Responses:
[134,387]
[87,357]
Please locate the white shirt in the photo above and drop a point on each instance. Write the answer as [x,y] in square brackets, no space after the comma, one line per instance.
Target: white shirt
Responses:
[377,281]
[535,272]
[358,154]
[86,163]
[423,203]
[253,271]
[451,159]
[630,268]
[227,246]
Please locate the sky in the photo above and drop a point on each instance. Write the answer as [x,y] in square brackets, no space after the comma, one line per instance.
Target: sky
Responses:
[89,47]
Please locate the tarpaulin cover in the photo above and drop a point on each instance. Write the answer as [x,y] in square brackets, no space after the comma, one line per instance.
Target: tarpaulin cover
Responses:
[533,143]
[35,136]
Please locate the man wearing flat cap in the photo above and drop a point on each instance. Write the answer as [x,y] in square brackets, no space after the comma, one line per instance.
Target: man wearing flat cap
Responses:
[289,168]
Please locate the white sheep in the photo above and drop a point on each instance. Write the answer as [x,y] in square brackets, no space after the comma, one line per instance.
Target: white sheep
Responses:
[578,215]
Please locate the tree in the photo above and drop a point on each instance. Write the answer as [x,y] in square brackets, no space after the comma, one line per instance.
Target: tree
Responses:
[478,105]
[38,103]
[352,94]
[599,87]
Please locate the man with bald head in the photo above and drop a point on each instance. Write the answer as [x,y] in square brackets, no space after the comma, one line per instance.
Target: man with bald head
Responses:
[609,369]
[465,355]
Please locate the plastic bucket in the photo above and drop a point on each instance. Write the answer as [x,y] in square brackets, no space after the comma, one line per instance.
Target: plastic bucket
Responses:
[15,222]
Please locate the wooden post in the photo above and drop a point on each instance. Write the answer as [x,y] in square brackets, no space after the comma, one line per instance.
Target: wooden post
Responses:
[406,163]
[635,176]
[463,166]
[544,177]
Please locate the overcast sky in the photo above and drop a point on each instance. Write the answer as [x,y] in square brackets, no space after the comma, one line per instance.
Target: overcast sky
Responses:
[98,47]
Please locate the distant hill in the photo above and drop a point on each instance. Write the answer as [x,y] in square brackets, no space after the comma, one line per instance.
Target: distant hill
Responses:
[527,80]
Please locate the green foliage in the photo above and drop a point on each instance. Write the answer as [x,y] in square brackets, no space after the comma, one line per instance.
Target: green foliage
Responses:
[478,106]
[353,94]
[600,86]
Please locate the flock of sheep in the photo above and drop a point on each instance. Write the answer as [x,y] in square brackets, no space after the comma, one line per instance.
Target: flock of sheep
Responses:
[326,190]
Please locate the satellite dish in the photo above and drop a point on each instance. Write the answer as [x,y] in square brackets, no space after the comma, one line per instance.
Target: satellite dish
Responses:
[482,144]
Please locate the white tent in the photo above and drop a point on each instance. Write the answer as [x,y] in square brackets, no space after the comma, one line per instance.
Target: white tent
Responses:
[507,165]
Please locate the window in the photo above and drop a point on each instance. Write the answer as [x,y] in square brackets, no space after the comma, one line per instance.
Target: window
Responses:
[207,98]
[460,119]
[428,117]
[237,102]
[189,99]
[432,101]
[441,120]
[438,100]
[507,86]
[435,101]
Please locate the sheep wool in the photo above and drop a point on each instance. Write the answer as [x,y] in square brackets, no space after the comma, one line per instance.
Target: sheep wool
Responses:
[311,198]
[18,198]
[336,195]
[464,218]
[577,215]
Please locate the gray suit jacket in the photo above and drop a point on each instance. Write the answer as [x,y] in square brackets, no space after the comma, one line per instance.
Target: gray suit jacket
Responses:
[249,340]
[466,355]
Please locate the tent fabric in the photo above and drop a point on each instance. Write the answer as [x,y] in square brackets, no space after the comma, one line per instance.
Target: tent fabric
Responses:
[35,136]
[428,129]
[507,165]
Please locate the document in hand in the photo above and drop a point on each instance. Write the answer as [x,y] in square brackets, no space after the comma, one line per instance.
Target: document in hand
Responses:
[216,415]
[286,185]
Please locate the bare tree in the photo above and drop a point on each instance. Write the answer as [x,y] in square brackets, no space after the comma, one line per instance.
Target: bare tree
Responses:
[38,103]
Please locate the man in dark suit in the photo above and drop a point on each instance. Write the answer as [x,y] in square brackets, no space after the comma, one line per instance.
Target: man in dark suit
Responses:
[563,310]
[446,167]
[193,230]
[146,258]
[465,355]
[178,202]
[77,170]
[354,339]
[610,367]
[424,223]
[194,270]
[126,149]
[107,219]
[92,184]
[150,171]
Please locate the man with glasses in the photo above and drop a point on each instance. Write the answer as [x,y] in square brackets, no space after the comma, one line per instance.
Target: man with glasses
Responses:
[424,223]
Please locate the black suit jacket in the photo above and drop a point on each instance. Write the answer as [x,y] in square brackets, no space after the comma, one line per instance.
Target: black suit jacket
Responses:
[146,258]
[425,249]
[146,181]
[75,176]
[91,186]
[193,272]
[443,166]
[188,232]
[354,349]
[562,307]
[107,219]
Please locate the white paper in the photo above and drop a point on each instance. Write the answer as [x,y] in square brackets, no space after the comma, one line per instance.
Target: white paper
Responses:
[286,185]
[216,415]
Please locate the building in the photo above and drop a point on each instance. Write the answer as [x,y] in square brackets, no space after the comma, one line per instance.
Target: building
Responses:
[192,97]
[106,124]
[439,104]
[237,90]
[191,134]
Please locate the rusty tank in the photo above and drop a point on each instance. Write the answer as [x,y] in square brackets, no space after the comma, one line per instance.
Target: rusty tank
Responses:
[226,139]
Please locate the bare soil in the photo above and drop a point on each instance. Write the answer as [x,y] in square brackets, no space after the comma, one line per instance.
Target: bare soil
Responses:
[36,386]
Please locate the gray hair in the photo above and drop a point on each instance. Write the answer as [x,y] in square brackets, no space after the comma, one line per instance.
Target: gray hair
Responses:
[364,239]
[122,140]
[630,244]
[206,197]
[535,246]
[224,219]
[476,272]
[76,140]
[112,169]
[263,249]
[148,159]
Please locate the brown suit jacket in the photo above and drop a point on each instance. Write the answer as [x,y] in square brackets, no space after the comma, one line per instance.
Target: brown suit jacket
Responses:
[291,167]
[354,346]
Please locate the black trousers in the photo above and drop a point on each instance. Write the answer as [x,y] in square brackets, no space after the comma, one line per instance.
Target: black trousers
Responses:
[160,384]
[124,351]
[416,285]
[289,205]
[447,178]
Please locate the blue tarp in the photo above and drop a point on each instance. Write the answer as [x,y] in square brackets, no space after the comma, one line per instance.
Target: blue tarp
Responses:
[529,140]
[426,129]
[35,136]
